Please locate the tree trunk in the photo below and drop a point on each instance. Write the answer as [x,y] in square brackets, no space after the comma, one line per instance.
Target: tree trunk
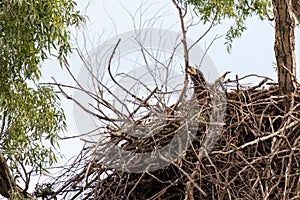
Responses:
[7,181]
[296,9]
[285,48]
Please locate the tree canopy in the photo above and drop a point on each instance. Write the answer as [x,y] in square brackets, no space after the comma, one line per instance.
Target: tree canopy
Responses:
[30,115]
[258,135]
[216,11]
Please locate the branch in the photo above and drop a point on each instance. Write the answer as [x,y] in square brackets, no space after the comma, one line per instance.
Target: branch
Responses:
[186,57]
[260,139]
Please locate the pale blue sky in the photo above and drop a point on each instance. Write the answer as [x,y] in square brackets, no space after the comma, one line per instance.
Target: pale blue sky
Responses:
[252,53]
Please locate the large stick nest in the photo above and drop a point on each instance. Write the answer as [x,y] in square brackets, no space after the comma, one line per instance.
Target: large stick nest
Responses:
[256,157]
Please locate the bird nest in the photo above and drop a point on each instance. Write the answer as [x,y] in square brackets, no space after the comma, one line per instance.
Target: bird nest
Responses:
[256,156]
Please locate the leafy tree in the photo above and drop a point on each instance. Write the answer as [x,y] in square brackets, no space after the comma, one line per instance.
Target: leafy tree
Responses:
[30,115]
[284,12]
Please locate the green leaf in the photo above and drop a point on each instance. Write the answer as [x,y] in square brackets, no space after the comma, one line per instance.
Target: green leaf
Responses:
[30,32]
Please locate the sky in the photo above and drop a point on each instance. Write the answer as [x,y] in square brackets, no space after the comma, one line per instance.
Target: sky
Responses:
[251,54]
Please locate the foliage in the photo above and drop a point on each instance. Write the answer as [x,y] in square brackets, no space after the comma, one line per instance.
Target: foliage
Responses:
[30,32]
[217,10]
[15,195]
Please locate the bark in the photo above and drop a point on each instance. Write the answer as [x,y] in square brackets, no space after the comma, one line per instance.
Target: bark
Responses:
[7,182]
[285,48]
[296,9]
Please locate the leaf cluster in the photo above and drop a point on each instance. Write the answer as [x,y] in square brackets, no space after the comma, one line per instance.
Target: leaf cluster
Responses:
[215,11]
[30,32]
